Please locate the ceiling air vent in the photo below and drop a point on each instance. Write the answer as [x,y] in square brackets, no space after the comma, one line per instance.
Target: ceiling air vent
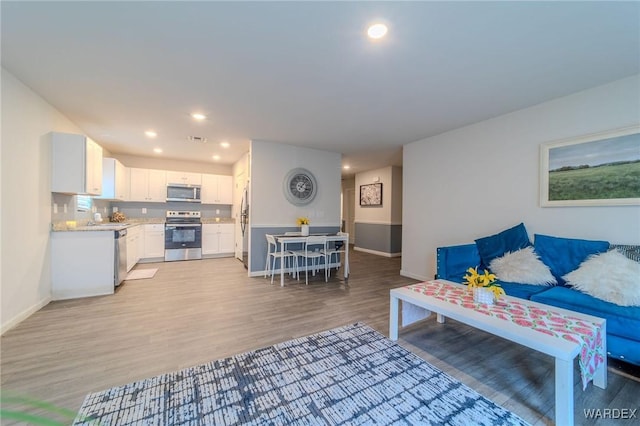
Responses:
[197,139]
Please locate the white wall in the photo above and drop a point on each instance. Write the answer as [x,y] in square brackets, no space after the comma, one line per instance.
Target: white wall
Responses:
[25,275]
[483,178]
[270,211]
[270,163]
[369,214]
[396,195]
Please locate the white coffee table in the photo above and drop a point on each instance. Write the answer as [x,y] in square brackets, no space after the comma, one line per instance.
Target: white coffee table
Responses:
[564,351]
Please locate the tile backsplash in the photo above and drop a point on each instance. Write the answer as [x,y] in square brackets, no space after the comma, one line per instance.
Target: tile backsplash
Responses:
[64,207]
[135,210]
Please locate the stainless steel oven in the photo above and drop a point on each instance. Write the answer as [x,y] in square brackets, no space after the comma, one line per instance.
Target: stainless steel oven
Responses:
[182,236]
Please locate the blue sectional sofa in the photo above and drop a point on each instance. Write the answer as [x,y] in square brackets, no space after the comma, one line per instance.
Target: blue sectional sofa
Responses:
[623,322]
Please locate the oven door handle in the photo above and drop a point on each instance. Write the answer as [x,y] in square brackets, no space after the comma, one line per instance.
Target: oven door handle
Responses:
[183,225]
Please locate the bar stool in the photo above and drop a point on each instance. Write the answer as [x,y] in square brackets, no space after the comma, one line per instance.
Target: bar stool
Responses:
[273,253]
[338,249]
[314,248]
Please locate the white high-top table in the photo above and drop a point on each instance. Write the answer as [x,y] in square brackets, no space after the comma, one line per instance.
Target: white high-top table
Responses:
[564,351]
[297,239]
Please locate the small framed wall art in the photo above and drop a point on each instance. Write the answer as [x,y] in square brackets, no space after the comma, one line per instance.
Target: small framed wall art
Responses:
[371,194]
[594,170]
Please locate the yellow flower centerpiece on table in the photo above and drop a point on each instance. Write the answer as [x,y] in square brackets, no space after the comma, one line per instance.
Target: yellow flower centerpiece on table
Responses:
[303,222]
[486,280]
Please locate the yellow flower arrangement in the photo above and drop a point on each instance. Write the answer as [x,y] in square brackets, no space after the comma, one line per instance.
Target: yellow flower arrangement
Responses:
[303,221]
[486,280]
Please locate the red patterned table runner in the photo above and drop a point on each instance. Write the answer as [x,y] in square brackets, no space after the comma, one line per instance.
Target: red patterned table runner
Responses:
[567,327]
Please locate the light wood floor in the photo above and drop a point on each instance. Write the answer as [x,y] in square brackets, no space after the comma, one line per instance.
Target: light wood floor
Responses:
[197,311]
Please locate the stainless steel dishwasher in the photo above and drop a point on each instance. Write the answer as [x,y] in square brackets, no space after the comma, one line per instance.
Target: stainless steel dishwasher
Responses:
[120,267]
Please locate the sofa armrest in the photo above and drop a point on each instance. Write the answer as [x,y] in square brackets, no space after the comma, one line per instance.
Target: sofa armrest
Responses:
[452,262]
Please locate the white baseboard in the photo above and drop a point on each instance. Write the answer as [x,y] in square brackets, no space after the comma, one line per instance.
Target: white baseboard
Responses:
[24,315]
[151,260]
[378,253]
[217,255]
[414,276]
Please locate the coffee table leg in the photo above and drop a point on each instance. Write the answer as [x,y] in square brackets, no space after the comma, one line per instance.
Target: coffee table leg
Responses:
[600,375]
[393,318]
[564,392]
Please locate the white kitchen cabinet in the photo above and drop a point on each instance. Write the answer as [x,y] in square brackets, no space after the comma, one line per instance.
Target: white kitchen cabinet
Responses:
[76,164]
[184,178]
[217,189]
[218,238]
[115,180]
[153,240]
[141,243]
[134,241]
[82,264]
[148,185]
[227,238]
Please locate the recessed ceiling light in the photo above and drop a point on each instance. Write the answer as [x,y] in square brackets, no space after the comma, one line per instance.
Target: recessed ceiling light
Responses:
[216,157]
[157,150]
[377,31]
[224,144]
[198,116]
[151,133]
[346,167]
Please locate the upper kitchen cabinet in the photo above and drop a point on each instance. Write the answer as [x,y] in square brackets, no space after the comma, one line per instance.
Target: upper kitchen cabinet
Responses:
[217,189]
[115,180]
[76,164]
[148,185]
[184,178]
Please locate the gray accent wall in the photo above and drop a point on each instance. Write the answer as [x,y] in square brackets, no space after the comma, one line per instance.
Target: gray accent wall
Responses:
[384,238]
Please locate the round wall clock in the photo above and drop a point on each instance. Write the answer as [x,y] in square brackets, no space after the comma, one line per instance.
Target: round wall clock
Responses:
[300,186]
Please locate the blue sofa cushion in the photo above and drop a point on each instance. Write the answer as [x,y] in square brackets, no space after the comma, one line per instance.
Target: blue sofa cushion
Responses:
[523,291]
[621,321]
[509,240]
[563,255]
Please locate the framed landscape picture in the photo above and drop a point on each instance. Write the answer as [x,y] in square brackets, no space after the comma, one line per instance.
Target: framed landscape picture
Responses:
[594,170]
[371,195]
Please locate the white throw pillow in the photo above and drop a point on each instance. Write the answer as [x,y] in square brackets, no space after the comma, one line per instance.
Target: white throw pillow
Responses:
[522,267]
[609,276]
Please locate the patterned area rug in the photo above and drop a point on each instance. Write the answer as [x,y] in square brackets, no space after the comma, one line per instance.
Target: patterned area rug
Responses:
[348,375]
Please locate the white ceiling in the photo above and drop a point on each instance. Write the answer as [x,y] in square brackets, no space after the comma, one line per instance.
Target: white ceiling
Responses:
[303,73]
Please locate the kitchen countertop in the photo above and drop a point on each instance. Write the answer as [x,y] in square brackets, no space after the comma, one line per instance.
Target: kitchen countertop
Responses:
[209,220]
[75,226]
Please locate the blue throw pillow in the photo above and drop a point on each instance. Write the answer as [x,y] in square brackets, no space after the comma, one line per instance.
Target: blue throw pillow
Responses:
[453,261]
[510,240]
[563,255]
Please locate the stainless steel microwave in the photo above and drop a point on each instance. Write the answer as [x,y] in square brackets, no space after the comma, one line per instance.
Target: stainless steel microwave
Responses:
[181,192]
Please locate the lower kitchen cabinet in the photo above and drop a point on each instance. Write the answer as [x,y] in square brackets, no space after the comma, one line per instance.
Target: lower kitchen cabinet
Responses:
[82,264]
[218,239]
[153,241]
[135,244]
